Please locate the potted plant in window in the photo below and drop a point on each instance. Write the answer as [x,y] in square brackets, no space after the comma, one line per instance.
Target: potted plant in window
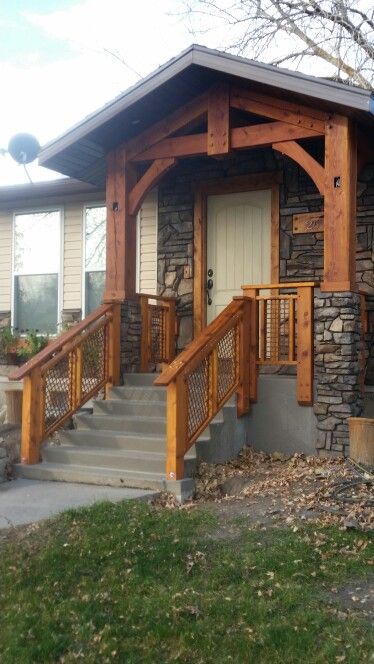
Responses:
[9,340]
[31,345]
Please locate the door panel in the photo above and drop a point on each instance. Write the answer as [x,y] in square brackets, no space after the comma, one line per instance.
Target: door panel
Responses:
[238,244]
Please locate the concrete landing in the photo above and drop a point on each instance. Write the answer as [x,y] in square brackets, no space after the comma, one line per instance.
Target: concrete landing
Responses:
[26,501]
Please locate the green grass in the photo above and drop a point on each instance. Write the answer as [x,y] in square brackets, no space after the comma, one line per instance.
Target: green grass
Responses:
[135,584]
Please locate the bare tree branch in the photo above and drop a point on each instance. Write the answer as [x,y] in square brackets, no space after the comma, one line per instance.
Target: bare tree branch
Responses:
[338,32]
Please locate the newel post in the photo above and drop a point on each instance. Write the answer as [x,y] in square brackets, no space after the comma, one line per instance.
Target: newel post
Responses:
[251,294]
[32,417]
[245,357]
[113,368]
[176,428]
[305,347]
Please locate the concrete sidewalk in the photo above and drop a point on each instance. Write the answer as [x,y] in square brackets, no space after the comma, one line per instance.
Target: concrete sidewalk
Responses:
[26,501]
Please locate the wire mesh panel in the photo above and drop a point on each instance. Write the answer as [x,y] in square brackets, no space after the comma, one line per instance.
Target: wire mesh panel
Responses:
[93,361]
[157,334]
[198,396]
[58,381]
[228,366]
[277,329]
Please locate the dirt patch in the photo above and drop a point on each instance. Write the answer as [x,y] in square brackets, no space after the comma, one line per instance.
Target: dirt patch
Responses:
[354,598]
[282,489]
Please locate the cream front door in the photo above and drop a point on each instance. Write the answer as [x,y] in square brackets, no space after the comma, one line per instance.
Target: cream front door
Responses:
[238,245]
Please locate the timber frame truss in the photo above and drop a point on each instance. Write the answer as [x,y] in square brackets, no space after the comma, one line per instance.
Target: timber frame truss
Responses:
[136,167]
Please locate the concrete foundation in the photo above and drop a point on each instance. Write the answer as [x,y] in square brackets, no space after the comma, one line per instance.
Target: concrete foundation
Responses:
[276,423]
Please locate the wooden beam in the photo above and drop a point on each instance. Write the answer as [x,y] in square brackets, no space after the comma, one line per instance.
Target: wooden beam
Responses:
[169,125]
[305,160]
[219,120]
[340,206]
[121,229]
[179,146]
[147,182]
[278,109]
[251,136]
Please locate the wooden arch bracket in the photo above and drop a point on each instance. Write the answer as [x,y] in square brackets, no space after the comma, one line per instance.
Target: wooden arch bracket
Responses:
[305,160]
[149,180]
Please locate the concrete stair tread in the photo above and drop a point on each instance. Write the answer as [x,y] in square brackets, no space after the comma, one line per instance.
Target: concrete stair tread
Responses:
[92,475]
[132,418]
[108,453]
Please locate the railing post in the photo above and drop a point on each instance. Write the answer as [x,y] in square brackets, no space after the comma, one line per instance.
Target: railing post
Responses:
[170,331]
[176,428]
[113,368]
[253,338]
[246,356]
[305,350]
[32,417]
[144,335]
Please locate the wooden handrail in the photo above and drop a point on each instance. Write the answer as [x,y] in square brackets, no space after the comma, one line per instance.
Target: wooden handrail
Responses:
[56,345]
[203,378]
[158,330]
[66,374]
[198,345]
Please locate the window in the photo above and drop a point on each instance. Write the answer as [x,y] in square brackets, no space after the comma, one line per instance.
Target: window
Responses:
[36,270]
[94,263]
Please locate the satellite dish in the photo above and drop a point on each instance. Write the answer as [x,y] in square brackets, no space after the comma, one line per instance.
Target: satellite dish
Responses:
[24,148]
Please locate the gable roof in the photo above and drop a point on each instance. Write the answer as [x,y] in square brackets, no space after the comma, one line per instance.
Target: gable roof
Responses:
[80,152]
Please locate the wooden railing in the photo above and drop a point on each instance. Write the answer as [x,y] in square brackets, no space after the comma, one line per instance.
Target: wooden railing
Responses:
[282,331]
[203,377]
[158,331]
[66,374]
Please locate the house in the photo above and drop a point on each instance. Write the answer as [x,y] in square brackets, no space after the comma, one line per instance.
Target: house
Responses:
[52,243]
[264,253]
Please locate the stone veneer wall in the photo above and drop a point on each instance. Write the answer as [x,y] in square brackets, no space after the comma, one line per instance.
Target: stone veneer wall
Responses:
[338,349]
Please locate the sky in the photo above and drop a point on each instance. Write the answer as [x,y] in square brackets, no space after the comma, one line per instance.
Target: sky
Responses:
[61,60]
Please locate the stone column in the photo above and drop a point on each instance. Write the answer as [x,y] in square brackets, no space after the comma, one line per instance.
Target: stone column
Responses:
[338,348]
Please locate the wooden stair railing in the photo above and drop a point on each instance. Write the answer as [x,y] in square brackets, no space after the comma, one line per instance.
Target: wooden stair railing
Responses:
[66,374]
[158,331]
[203,377]
[282,332]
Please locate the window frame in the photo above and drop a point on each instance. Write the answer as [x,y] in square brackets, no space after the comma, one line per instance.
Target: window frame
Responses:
[60,274]
[91,204]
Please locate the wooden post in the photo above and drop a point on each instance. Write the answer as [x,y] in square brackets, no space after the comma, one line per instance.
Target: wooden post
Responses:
[219,120]
[121,229]
[176,428]
[340,206]
[305,350]
[32,417]
[253,339]
[144,334]
[246,366]
[113,368]
[291,329]
[170,331]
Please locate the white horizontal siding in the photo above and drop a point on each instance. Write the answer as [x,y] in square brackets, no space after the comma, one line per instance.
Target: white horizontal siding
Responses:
[6,221]
[73,252]
[147,245]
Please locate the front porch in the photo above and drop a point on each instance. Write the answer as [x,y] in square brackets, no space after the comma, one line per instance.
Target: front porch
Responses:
[306,307]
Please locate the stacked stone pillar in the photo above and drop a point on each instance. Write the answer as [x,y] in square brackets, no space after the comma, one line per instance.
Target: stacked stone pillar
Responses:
[338,360]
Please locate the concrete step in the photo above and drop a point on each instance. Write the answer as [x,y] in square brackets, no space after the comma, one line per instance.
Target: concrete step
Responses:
[91,475]
[140,379]
[138,393]
[128,424]
[133,460]
[124,408]
[113,440]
